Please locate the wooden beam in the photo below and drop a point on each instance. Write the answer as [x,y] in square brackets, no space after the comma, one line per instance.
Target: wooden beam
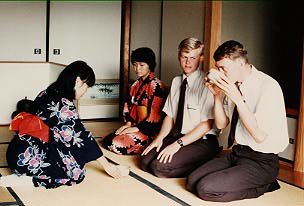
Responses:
[124,53]
[212,31]
[299,153]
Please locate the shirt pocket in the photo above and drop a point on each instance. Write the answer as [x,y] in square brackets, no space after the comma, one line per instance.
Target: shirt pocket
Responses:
[194,113]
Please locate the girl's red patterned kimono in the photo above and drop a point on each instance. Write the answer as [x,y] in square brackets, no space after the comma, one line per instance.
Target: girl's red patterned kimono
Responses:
[144,110]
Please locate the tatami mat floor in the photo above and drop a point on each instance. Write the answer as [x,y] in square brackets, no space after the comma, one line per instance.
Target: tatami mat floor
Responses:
[140,188]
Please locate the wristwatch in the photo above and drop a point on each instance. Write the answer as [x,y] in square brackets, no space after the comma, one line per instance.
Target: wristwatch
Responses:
[180,142]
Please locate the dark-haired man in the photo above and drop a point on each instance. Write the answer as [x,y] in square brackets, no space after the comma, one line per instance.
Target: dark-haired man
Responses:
[253,102]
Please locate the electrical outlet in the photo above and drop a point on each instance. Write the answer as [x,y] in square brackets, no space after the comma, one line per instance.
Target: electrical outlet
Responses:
[56,51]
[37,51]
[291,141]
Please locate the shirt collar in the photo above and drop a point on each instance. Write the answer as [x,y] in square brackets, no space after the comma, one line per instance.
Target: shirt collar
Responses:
[192,77]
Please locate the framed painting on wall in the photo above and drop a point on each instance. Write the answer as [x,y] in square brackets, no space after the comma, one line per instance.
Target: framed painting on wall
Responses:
[100,101]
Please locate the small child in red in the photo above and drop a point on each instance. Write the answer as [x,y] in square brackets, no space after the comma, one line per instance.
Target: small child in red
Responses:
[26,122]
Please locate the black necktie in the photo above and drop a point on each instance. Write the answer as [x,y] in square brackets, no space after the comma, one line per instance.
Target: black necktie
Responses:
[180,111]
[234,120]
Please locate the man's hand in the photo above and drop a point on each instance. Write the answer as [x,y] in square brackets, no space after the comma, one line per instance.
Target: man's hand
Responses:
[215,90]
[166,154]
[157,142]
[229,88]
[212,76]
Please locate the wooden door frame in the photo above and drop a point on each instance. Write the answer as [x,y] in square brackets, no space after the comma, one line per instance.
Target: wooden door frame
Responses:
[212,31]
[299,143]
[124,53]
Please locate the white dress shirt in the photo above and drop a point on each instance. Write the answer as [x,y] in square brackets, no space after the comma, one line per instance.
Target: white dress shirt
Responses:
[198,101]
[264,98]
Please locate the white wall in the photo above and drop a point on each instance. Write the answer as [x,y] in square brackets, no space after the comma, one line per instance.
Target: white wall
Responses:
[181,19]
[98,111]
[20,80]
[250,23]
[89,31]
[146,29]
[23,28]
[86,30]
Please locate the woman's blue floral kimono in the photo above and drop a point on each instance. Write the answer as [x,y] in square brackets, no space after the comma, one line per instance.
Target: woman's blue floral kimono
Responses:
[60,161]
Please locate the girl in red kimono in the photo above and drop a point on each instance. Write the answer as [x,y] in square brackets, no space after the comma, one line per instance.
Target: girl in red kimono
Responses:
[143,110]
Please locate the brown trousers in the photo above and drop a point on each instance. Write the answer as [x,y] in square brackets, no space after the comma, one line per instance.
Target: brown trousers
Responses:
[243,174]
[184,161]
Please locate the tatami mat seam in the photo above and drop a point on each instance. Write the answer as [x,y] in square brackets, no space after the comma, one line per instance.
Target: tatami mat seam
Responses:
[155,187]
[18,200]
[8,203]
[158,189]
[12,192]
[291,184]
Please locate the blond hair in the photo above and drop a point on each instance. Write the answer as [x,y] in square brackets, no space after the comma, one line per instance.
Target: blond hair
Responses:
[190,44]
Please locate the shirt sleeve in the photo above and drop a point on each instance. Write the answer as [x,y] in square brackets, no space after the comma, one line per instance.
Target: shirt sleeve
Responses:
[271,118]
[207,103]
[168,107]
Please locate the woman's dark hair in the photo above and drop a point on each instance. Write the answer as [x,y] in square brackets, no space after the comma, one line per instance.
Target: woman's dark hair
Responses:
[65,82]
[144,54]
[230,49]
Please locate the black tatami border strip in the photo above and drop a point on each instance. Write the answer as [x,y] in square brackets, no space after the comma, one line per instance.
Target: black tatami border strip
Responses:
[155,187]
[158,189]
[18,200]
[291,184]
[8,203]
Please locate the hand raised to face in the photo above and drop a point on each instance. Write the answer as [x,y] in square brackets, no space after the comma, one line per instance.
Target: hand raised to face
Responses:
[213,75]
[218,83]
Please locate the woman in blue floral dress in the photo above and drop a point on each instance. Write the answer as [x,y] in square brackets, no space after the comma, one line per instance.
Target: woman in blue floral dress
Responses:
[60,160]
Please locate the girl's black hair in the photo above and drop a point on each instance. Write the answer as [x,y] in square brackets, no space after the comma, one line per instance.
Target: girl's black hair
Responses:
[65,83]
[144,54]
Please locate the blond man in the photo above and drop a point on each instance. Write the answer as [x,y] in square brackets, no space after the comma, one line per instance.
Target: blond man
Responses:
[186,138]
